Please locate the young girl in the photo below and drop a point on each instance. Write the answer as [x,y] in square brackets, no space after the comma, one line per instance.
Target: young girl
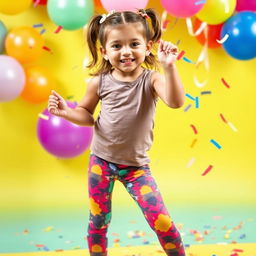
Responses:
[123,130]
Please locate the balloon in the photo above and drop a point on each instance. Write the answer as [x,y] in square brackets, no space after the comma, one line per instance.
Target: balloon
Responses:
[61,137]
[41,2]
[181,8]
[70,15]
[39,83]
[12,78]
[3,32]
[98,4]
[24,44]
[241,29]
[14,7]
[130,5]
[246,5]
[213,33]
[216,11]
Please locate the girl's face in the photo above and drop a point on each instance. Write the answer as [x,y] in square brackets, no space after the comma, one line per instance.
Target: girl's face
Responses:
[126,47]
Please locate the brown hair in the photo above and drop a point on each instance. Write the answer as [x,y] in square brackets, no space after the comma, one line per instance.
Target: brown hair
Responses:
[96,33]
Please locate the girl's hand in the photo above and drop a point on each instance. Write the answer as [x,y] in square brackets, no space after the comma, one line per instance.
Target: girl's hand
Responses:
[57,105]
[167,53]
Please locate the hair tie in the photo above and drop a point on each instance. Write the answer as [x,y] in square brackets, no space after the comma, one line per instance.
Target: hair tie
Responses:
[104,16]
[143,14]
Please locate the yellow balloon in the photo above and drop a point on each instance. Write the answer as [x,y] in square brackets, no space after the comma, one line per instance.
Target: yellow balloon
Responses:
[14,7]
[216,11]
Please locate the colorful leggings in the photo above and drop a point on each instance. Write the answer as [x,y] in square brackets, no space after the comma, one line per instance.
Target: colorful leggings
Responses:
[143,189]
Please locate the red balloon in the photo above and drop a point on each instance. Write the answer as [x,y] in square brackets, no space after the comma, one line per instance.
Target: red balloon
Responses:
[42,2]
[213,34]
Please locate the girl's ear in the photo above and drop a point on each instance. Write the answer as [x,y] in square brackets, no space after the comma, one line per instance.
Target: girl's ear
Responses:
[103,52]
[149,47]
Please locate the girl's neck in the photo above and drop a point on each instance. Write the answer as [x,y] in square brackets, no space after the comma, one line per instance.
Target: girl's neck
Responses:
[127,76]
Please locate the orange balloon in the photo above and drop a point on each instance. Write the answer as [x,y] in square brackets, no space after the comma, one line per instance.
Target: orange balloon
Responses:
[213,33]
[24,44]
[14,7]
[97,3]
[39,83]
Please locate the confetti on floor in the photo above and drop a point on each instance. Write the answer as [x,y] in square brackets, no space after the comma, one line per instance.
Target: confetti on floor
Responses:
[243,249]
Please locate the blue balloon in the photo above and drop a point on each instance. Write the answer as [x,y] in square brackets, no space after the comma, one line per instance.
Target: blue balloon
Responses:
[241,28]
[3,32]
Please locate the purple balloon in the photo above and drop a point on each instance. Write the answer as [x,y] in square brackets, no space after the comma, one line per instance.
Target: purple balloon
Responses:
[12,78]
[62,138]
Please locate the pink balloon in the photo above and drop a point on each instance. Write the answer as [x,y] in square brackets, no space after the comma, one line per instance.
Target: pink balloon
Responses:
[128,5]
[182,8]
[12,78]
[246,5]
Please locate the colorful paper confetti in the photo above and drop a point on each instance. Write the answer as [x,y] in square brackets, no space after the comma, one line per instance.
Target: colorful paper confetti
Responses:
[216,144]
[207,170]
[194,129]
[225,83]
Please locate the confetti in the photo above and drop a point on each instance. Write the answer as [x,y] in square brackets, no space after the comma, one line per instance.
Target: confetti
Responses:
[189,96]
[197,102]
[37,25]
[42,31]
[188,60]
[192,160]
[216,144]
[48,229]
[178,42]
[238,250]
[45,117]
[187,108]
[232,127]
[180,55]
[223,40]
[206,92]
[40,245]
[194,129]
[223,118]
[47,49]
[207,170]
[165,23]
[225,83]
[59,28]
[193,143]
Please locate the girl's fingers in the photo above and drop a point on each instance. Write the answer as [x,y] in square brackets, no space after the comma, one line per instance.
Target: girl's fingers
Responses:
[56,94]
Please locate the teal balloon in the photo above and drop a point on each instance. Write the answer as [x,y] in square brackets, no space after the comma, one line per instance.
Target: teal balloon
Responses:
[3,33]
[70,14]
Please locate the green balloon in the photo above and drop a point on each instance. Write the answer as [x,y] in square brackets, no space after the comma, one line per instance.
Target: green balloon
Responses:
[70,14]
[3,32]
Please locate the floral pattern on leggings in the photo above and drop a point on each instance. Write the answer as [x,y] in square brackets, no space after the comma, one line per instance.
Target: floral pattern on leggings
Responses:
[140,184]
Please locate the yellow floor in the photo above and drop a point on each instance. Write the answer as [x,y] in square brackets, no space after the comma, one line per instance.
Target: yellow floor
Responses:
[194,250]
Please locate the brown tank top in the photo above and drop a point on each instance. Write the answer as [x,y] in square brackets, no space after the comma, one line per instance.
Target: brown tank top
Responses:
[123,130]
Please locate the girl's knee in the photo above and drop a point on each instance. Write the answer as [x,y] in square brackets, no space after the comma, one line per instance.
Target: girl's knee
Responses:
[100,221]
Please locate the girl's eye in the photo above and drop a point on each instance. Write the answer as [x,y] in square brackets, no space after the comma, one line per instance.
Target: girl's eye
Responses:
[134,44]
[116,46]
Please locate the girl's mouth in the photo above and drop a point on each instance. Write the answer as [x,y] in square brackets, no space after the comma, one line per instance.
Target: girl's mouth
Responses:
[127,60]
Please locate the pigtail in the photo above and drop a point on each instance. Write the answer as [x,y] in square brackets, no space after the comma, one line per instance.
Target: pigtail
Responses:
[92,37]
[155,23]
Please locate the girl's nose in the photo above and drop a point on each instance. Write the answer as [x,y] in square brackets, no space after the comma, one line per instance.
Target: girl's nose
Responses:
[126,50]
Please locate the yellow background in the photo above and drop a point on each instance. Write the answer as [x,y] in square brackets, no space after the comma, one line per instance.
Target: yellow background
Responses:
[31,178]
